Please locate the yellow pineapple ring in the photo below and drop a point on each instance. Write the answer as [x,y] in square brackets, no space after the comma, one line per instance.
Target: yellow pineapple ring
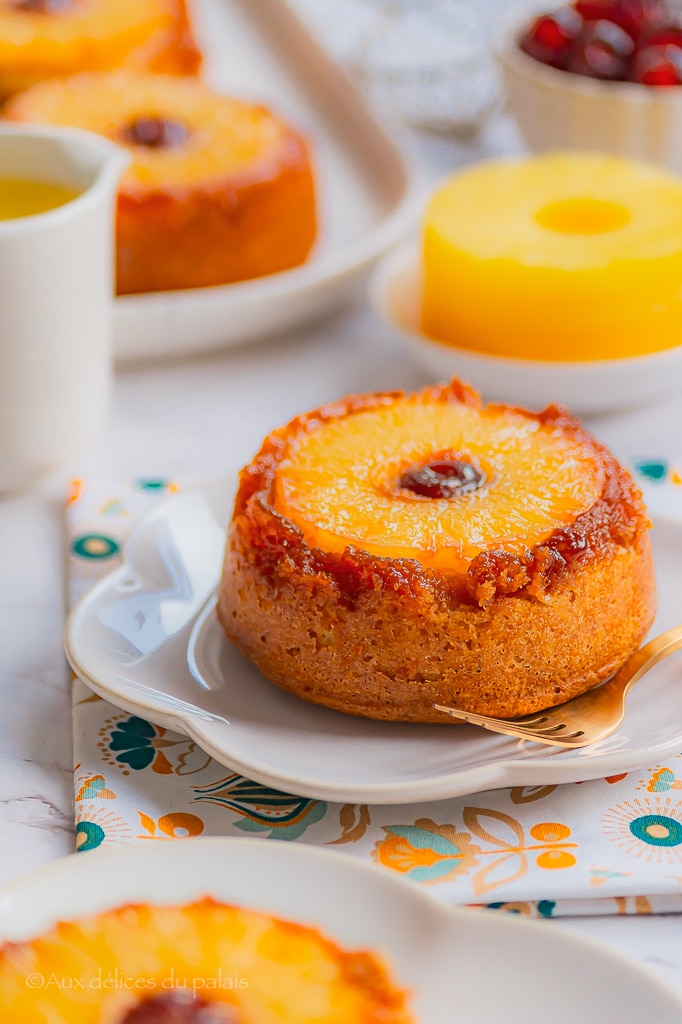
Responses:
[340,483]
[100,969]
[388,553]
[566,256]
[42,39]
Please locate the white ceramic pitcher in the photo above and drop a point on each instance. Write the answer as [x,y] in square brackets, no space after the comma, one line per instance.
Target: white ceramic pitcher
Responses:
[56,294]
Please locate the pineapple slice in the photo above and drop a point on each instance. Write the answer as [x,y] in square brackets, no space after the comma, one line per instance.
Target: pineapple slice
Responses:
[204,963]
[215,135]
[42,39]
[345,482]
[566,256]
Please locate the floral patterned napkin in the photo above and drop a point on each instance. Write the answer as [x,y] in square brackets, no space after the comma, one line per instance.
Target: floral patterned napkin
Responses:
[613,846]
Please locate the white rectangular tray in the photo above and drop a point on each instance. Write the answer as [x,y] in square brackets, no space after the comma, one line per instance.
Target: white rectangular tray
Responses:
[368,188]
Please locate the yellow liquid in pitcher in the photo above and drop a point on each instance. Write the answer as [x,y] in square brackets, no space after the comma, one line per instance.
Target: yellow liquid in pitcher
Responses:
[22,198]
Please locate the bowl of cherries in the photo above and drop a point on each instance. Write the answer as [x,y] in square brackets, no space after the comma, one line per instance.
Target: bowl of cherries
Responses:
[598,74]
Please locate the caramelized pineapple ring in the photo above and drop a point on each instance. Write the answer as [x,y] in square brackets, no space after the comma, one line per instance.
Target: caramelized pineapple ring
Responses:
[213,136]
[263,969]
[49,39]
[340,483]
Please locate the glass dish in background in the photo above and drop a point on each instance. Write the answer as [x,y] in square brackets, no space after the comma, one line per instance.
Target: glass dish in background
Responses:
[430,63]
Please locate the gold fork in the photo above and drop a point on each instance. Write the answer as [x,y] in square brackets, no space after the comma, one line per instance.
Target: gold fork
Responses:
[585,719]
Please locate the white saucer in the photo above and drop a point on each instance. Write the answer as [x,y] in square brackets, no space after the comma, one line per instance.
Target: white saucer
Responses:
[583,387]
[128,640]
[445,958]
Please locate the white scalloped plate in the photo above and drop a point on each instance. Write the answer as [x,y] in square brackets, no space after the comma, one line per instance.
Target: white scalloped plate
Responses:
[128,640]
[445,958]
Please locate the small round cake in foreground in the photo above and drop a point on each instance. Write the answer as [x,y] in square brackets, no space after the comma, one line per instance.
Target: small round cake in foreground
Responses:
[218,190]
[389,552]
[42,39]
[201,963]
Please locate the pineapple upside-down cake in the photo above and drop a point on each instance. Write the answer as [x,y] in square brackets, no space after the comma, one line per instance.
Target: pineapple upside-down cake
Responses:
[218,190]
[389,552]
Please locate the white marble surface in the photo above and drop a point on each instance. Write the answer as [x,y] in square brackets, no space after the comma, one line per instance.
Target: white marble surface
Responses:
[192,420]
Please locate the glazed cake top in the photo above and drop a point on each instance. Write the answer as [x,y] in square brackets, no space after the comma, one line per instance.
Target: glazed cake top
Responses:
[342,483]
[57,36]
[207,136]
[540,493]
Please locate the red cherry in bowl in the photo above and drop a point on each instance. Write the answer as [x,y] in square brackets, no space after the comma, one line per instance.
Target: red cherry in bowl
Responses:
[602,51]
[549,37]
[634,16]
[658,65]
[666,35]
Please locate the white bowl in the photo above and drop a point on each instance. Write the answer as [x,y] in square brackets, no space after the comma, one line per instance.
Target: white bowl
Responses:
[560,110]
[583,387]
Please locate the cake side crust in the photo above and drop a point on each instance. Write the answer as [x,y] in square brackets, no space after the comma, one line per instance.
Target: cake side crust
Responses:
[395,651]
[261,220]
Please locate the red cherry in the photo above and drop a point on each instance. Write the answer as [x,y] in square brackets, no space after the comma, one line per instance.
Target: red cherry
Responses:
[444,478]
[634,16]
[179,1007]
[593,10]
[549,38]
[602,51]
[155,133]
[667,35]
[42,6]
[658,65]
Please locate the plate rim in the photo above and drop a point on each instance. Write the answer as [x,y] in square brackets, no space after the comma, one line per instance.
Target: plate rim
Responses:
[404,258]
[499,773]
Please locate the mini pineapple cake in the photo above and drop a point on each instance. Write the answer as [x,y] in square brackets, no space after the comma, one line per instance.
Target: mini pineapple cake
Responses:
[218,190]
[562,256]
[389,552]
[41,39]
[203,963]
